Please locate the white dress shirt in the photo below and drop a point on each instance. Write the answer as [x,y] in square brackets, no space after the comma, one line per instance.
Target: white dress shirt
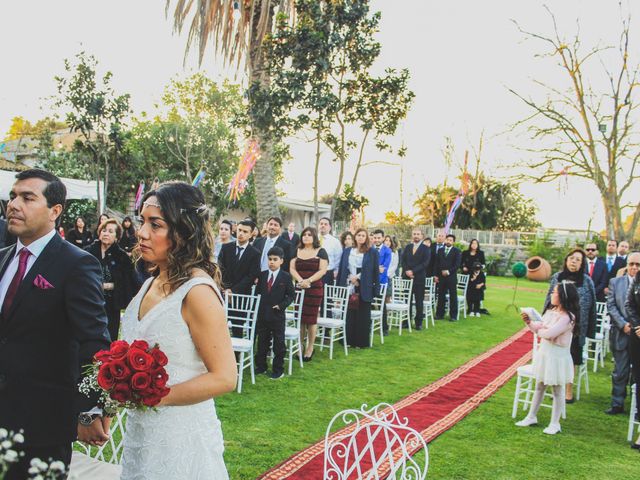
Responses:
[35,249]
[333,248]
[268,245]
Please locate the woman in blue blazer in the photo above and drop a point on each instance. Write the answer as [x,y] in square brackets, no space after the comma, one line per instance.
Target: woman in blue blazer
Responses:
[359,268]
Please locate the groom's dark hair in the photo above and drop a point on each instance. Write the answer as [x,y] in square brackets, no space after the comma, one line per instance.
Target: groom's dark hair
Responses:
[55,192]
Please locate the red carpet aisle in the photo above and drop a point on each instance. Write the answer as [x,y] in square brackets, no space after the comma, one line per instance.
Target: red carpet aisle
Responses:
[435,408]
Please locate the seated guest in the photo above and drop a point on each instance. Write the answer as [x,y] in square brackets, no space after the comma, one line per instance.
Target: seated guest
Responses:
[346,240]
[477,285]
[291,236]
[118,276]
[633,309]
[79,235]
[224,236]
[447,265]
[308,268]
[271,239]
[239,261]
[597,270]
[275,288]
[620,332]
[472,255]
[129,238]
[359,269]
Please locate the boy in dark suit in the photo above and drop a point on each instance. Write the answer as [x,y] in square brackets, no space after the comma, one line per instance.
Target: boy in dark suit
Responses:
[276,294]
[447,265]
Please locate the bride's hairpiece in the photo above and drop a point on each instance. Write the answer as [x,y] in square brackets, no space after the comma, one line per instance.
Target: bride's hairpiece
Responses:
[151,203]
[199,210]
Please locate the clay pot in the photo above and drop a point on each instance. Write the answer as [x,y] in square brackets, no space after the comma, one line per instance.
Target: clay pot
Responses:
[538,269]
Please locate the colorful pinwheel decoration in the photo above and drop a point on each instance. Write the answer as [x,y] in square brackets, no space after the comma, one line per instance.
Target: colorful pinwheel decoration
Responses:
[139,195]
[199,177]
[464,188]
[248,161]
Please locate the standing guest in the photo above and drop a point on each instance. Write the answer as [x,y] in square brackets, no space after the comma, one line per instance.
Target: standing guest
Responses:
[234,227]
[101,219]
[447,265]
[239,261]
[560,320]
[129,238]
[291,236]
[614,263]
[427,242]
[475,288]
[623,249]
[224,237]
[61,231]
[272,239]
[52,323]
[333,248]
[347,240]
[621,329]
[435,249]
[573,270]
[391,243]
[3,233]
[308,268]
[597,270]
[384,254]
[472,255]
[275,288]
[118,275]
[632,306]
[79,235]
[359,269]
[415,260]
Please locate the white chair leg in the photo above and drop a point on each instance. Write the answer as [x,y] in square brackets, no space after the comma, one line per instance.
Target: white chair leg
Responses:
[514,410]
[240,371]
[290,349]
[331,343]
[253,370]
[344,341]
[381,333]
[300,354]
[320,335]
[409,322]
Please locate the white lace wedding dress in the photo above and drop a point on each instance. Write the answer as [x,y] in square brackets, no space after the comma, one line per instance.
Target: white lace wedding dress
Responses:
[175,443]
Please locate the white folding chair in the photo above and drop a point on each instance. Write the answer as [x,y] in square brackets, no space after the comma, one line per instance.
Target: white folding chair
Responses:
[583,374]
[391,448]
[526,384]
[429,301]
[595,346]
[463,283]
[242,315]
[111,451]
[292,330]
[633,423]
[377,311]
[333,329]
[400,306]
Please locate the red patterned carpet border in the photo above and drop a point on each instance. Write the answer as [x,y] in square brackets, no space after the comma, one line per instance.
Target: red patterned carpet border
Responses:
[434,408]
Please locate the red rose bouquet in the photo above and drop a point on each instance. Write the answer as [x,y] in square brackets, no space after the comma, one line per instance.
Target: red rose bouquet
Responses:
[130,376]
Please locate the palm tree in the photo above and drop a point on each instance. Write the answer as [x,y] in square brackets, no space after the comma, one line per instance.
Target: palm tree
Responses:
[237,29]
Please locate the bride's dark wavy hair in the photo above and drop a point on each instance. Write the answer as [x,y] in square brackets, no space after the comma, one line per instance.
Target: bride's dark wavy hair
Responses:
[192,240]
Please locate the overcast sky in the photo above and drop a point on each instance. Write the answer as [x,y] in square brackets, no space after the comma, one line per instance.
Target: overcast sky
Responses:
[462,56]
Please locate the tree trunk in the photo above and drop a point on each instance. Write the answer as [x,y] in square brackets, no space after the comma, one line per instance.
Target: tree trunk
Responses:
[359,164]
[341,158]
[316,214]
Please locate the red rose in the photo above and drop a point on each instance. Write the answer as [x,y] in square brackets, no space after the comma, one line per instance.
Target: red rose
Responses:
[121,392]
[140,381]
[119,349]
[160,377]
[119,369]
[139,360]
[105,377]
[103,356]
[141,344]
[159,356]
[151,401]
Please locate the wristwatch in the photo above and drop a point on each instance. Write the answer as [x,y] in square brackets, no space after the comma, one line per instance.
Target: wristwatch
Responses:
[86,419]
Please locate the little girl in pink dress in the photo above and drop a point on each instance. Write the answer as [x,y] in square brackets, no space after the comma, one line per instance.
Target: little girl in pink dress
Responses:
[552,364]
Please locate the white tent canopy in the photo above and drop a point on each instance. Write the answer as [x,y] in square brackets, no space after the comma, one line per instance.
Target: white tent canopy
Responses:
[76,189]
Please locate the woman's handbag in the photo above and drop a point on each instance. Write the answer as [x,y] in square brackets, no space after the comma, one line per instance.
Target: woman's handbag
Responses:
[354,300]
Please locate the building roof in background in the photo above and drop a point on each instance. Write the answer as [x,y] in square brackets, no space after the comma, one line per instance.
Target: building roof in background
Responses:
[303,205]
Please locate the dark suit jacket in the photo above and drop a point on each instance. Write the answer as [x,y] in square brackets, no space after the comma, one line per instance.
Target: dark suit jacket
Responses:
[294,241]
[616,299]
[46,338]
[285,245]
[369,275]
[449,262]
[239,276]
[282,294]
[617,265]
[431,268]
[600,277]
[417,263]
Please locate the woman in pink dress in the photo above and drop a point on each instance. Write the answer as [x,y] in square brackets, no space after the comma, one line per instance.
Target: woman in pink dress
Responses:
[553,365]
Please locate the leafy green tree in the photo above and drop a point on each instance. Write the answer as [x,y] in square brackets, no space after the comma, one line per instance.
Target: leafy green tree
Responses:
[93,109]
[348,202]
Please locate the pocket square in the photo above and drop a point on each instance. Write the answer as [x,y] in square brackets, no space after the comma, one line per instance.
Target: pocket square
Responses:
[42,283]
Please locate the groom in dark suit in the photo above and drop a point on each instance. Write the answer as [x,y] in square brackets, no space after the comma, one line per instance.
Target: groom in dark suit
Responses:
[52,322]
[447,265]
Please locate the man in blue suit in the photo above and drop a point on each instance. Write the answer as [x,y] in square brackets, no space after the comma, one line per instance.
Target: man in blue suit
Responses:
[597,270]
[385,254]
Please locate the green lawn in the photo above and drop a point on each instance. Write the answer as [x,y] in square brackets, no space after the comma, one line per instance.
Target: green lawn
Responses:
[272,420]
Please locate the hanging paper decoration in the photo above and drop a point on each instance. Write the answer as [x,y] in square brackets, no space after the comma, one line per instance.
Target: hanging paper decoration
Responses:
[139,195]
[199,177]
[464,188]
[563,185]
[239,181]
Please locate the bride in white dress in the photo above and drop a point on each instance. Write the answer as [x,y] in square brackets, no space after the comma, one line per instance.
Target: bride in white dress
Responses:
[180,309]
